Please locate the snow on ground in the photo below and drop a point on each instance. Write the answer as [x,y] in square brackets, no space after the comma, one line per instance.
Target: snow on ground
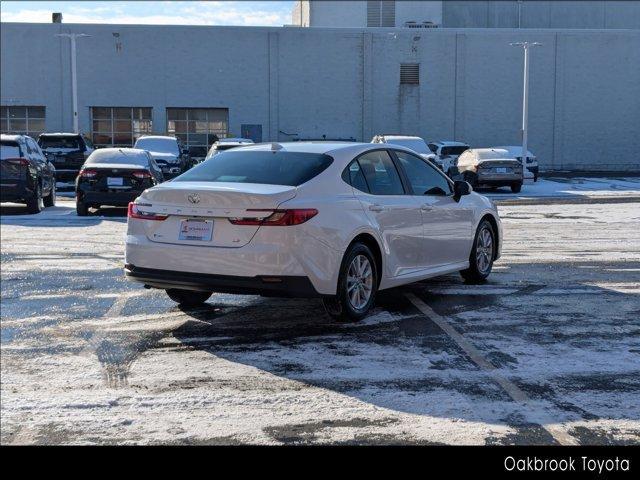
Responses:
[571,187]
[88,357]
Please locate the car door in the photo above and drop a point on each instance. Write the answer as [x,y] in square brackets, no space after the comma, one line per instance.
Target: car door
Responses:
[396,215]
[448,224]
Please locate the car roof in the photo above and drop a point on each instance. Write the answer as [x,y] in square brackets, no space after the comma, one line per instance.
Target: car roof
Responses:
[394,135]
[450,143]
[12,137]
[60,134]
[349,149]
[514,149]
[157,137]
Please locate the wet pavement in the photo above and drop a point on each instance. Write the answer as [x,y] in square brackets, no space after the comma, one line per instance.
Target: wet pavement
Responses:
[546,352]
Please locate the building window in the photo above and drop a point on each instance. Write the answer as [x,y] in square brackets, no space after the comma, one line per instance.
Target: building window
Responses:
[22,120]
[381,13]
[198,126]
[119,126]
[410,73]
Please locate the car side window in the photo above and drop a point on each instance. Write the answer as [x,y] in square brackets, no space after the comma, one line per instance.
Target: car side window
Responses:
[380,173]
[433,148]
[353,176]
[424,178]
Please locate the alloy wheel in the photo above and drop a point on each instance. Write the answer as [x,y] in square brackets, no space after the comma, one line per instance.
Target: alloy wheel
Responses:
[359,282]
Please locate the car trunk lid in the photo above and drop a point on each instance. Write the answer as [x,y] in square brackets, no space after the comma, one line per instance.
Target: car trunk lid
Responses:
[210,205]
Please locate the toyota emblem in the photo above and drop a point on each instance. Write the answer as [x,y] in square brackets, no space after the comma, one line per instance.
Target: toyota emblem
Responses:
[193,198]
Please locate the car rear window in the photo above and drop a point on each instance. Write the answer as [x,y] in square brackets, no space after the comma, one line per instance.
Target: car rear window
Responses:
[159,145]
[453,150]
[59,142]
[117,156]
[10,150]
[263,167]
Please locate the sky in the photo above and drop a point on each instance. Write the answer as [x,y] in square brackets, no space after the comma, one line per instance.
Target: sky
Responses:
[248,13]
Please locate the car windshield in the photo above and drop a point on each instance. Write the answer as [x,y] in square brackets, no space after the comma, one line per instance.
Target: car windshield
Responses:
[10,150]
[263,167]
[120,156]
[415,144]
[59,142]
[453,150]
[160,145]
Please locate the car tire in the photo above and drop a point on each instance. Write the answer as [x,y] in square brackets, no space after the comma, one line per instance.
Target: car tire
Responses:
[357,285]
[188,298]
[482,254]
[36,203]
[516,187]
[50,200]
[82,209]
[535,178]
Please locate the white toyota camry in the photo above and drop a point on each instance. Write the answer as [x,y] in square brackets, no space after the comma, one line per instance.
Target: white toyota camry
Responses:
[338,221]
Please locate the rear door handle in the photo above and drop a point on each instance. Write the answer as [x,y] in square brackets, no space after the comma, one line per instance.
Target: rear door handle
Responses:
[376,207]
[426,208]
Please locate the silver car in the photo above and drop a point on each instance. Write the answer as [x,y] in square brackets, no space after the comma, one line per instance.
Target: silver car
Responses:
[490,167]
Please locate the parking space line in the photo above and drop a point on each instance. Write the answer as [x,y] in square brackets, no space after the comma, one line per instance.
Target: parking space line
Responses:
[516,394]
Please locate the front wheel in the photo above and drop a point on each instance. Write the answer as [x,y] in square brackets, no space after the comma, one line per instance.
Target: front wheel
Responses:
[188,298]
[482,254]
[516,187]
[357,286]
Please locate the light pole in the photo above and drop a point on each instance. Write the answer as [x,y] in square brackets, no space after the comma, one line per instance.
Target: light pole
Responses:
[525,97]
[74,76]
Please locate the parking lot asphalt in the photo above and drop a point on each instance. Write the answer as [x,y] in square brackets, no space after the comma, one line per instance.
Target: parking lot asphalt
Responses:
[546,352]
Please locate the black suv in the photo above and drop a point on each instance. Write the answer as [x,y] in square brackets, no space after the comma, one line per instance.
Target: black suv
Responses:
[67,151]
[25,174]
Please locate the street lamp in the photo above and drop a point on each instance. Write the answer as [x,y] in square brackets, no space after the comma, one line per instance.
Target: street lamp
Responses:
[74,78]
[525,96]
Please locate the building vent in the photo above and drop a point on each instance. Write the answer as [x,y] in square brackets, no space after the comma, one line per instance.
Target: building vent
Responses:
[56,17]
[381,13]
[410,73]
[412,24]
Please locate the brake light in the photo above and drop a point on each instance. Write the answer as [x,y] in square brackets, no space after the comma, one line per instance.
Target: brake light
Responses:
[141,174]
[136,210]
[17,161]
[88,173]
[282,218]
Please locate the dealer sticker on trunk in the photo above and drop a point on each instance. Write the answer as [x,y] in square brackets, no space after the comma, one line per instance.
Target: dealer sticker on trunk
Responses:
[201,230]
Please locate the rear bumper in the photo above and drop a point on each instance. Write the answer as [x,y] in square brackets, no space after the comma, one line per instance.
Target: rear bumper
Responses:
[269,286]
[14,190]
[114,198]
[498,180]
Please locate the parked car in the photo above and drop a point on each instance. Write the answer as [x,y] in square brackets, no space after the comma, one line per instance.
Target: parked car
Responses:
[197,154]
[115,176]
[445,154]
[168,153]
[416,144]
[26,176]
[331,220]
[490,167]
[67,151]
[227,144]
[531,163]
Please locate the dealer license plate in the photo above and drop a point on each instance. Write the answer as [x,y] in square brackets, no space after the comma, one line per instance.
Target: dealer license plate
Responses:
[501,170]
[201,230]
[114,181]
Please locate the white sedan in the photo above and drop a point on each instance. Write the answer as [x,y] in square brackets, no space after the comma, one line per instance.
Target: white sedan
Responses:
[338,221]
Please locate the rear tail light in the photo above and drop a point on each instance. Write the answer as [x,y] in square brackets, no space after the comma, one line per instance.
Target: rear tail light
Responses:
[137,210]
[88,173]
[17,161]
[141,174]
[281,218]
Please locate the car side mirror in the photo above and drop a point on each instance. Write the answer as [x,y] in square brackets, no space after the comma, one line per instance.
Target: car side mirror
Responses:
[460,188]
